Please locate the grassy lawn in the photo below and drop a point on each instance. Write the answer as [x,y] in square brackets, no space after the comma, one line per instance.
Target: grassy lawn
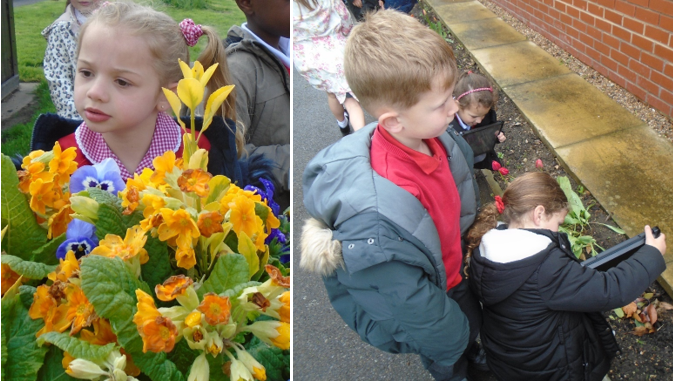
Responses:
[30,20]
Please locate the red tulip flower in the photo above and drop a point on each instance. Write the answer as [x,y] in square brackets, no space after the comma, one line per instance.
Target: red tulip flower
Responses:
[495,165]
[538,164]
[503,171]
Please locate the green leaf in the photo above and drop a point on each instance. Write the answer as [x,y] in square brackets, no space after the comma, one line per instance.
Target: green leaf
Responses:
[52,370]
[619,312]
[23,357]
[24,234]
[158,267]
[236,291]
[110,287]
[182,355]
[28,269]
[47,253]
[574,201]
[77,348]
[105,198]
[4,349]
[230,271]
[613,228]
[275,360]
[110,222]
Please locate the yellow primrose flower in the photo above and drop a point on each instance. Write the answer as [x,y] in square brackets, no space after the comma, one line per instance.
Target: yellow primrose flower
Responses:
[33,172]
[28,160]
[271,332]
[258,371]
[43,302]
[185,257]
[162,164]
[243,216]
[42,194]
[200,370]
[234,191]
[56,320]
[147,311]
[80,311]
[239,372]
[158,335]
[63,163]
[216,309]
[152,203]
[284,310]
[172,287]
[86,208]
[130,199]
[210,223]
[180,224]
[131,246]
[193,319]
[152,222]
[67,268]
[58,222]
[195,180]
[102,333]
[9,277]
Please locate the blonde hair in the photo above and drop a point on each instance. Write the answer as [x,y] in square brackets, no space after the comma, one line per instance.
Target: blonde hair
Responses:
[467,83]
[166,44]
[522,195]
[391,60]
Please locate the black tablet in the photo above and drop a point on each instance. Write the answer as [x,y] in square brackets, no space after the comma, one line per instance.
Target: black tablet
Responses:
[483,139]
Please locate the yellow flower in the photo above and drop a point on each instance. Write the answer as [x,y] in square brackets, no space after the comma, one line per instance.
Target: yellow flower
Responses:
[147,311]
[131,246]
[152,203]
[80,311]
[63,163]
[9,277]
[56,320]
[162,165]
[185,257]
[151,222]
[33,172]
[272,332]
[28,160]
[173,287]
[175,103]
[284,310]
[43,302]
[195,180]
[214,103]
[158,335]
[216,309]
[200,370]
[234,191]
[243,216]
[43,195]
[210,223]
[258,371]
[178,224]
[67,268]
[239,371]
[193,319]
[130,199]
[102,333]
[58,222]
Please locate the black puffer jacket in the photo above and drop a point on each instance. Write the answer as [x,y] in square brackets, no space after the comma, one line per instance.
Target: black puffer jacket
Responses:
[542,317]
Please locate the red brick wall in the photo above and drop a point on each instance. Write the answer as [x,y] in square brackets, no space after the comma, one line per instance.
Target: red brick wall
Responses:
[628,41]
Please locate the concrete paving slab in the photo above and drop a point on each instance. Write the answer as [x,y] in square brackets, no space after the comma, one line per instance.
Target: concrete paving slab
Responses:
[628,172]
[461,12]
[666,279]
[566,110]
[518,63]
[485,33]
[434,3]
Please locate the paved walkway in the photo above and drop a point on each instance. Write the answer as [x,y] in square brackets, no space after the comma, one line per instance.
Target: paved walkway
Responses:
[615,155]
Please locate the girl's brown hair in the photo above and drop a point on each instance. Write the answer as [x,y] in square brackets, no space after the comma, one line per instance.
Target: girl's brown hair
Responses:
[166,44]
[471,81]
[522,195]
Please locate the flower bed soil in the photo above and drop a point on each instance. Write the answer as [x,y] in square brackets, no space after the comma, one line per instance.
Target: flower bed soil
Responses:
[648,357]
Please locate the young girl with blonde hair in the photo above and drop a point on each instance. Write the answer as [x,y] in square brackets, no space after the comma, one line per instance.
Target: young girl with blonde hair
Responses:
[126,54]
[541,308]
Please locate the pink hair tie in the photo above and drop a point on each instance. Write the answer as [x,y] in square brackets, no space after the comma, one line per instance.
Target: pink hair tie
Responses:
[474,91]
[499,204]
[190,31]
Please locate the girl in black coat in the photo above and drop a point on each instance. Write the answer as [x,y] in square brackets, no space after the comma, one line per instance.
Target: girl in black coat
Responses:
[542,309]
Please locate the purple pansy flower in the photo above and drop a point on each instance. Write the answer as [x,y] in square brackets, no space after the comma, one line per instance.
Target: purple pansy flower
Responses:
[267,194]
[105,175]
[80,238]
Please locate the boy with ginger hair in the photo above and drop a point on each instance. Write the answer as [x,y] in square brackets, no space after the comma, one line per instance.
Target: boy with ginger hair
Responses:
[391,201]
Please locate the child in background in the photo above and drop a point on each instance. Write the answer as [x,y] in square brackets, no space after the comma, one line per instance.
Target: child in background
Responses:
[60,58]
[389,207]
[320,31]
[477,100]
[127,53]
[542,317]
[258,53]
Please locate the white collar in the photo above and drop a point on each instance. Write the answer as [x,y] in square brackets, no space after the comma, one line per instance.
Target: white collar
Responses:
[462,124]
[283,44]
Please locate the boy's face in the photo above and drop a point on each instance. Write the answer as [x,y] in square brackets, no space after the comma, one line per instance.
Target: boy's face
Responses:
[272,16]
[431,116]
[473,114]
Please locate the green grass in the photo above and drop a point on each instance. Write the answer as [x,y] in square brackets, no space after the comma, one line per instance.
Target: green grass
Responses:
[16,139]
[30,20]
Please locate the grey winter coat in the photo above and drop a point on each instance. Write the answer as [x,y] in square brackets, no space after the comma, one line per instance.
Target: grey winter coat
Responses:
[262,99]
[541,319]
[379,251]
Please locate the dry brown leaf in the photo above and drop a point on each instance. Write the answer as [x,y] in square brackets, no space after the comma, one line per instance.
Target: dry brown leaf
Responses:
[640,331]
[630,309]
[651,313]
[666,306]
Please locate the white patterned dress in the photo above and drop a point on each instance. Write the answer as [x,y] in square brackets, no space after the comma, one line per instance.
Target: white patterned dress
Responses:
[318,42]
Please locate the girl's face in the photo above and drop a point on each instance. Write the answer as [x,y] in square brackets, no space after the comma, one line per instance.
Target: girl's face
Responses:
[473,114]
[553,221]
[85,7]
[117,90]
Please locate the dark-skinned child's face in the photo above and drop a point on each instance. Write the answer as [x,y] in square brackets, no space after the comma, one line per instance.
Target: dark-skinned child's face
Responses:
[269,19]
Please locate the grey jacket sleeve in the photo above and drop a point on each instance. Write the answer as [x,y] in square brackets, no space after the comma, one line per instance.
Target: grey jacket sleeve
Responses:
[566,285]
[398,309]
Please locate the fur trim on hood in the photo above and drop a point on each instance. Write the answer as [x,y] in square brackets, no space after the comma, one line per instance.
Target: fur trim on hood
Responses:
[320,252]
